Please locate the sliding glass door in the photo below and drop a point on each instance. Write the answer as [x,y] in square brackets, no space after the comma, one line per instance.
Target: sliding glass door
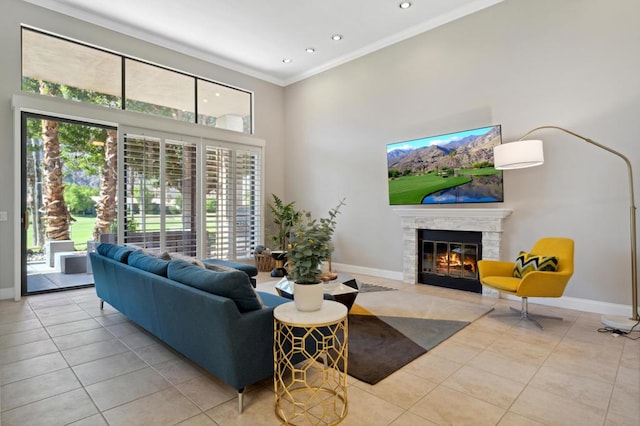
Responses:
[68,198]
[84,183]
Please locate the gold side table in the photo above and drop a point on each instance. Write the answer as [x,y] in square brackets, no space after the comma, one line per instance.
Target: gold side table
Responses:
[314,390]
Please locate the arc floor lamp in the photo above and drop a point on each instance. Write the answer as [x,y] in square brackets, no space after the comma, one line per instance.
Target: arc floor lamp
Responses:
[529,153]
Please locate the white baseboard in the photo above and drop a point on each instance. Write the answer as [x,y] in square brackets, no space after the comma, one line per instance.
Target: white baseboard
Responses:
[7,293]
[565,302]
[382,273]
[577,304]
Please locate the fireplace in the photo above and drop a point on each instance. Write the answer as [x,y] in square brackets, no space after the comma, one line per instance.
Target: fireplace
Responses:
[450,259]
[488,222]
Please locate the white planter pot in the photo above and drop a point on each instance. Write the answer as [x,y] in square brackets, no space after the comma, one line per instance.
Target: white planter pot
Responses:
[308,297]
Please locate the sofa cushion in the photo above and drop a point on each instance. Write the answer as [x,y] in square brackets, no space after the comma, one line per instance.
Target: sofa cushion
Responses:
[528,262]
[148,263]
[234,285]
[115,252]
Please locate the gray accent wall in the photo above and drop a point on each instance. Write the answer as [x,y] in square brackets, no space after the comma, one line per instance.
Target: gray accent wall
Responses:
[520,63]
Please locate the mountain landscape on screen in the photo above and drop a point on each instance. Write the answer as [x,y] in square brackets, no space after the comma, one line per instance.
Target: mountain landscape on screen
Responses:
[452,168]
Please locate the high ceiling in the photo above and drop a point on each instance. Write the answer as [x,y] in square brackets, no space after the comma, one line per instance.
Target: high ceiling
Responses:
[256,36]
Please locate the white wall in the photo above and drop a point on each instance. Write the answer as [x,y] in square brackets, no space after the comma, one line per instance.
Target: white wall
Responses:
[268,107]
[521,63]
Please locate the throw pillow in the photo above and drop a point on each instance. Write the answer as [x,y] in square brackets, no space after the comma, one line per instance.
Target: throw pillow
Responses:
[233,285]
[148,263]
[179,256]
[115,252]
[164,256]
[528,262]
[219,268]
[193,261]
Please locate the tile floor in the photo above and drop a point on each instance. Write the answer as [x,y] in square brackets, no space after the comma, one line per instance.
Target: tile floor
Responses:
[64,361]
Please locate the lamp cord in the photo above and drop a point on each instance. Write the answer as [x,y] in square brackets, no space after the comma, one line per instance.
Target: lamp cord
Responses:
[616,332]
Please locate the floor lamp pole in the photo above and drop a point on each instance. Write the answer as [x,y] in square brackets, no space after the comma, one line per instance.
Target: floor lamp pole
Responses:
[619,323]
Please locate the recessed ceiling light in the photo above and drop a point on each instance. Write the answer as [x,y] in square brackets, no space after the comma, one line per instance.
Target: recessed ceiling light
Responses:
[287,60]
[310,50]
[405,5]
[336,37]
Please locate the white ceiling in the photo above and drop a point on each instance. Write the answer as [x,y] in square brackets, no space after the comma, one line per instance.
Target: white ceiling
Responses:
[254,36]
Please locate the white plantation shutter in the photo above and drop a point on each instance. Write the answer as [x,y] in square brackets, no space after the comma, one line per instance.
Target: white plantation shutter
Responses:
[247,201]
[200,198]
[180,198]
[141,218]
[218,189]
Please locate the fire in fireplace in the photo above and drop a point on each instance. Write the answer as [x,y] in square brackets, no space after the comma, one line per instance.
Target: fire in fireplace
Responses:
[449,259]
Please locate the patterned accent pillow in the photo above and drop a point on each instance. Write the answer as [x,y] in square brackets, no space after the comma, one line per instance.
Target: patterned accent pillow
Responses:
[219,268]
[179,256]
[528,262]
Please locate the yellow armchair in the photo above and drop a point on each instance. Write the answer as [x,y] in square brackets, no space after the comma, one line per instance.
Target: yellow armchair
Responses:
[499,275]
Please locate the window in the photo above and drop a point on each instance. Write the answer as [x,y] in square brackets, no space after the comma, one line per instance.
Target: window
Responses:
[232,185]
[164,206]
[157,91]
[142,189]
[54,66]
[224,107]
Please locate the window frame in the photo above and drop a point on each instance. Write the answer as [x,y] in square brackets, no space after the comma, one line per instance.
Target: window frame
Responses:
[124,58]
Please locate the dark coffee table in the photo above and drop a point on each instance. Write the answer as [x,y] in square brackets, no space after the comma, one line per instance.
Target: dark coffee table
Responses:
[343,289]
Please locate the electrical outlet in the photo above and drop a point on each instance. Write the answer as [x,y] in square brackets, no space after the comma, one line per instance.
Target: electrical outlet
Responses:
[3,216]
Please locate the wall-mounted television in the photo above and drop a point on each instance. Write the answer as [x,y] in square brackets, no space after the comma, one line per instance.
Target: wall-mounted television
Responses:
[446,169]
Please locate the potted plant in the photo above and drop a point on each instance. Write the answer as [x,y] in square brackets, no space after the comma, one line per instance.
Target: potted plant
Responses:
[310,246]
[284,217]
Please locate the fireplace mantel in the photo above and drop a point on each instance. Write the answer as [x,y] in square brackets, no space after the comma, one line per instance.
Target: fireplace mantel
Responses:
[487,221]
[417,212]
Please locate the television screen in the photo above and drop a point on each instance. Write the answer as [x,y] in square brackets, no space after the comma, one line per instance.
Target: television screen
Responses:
[452,168]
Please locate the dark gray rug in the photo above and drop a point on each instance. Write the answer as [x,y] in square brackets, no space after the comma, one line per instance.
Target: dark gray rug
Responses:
[370,288]
[379,346]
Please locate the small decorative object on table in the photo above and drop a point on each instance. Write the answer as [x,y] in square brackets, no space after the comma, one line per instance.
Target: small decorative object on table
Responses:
[279,257]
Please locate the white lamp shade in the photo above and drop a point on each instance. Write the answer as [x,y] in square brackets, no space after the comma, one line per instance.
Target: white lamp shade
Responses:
[518,155]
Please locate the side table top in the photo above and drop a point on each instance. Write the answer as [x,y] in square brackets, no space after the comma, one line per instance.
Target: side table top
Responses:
[330,312]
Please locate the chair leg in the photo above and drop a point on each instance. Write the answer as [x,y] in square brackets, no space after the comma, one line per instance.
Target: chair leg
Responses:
[240,401]
[524,314]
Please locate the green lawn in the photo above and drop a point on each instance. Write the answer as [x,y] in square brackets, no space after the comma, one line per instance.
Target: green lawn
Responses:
[82,228]
[81,231]
[412,189]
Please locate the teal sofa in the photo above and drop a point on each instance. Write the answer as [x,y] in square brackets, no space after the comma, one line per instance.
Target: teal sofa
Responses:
[215,319]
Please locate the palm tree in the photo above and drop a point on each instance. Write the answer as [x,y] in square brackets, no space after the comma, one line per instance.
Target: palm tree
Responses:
[106,206]
[56,215]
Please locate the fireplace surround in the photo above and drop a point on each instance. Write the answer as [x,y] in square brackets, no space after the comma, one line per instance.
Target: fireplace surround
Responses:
[488,221]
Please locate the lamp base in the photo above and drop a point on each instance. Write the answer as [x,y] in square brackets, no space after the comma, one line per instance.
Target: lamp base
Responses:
[619,322]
